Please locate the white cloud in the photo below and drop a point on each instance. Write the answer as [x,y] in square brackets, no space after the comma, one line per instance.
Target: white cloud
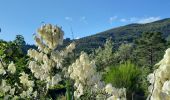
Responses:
[141,20]
[84,19]
[123,20]
[111,19]
[148,20]
[68,19]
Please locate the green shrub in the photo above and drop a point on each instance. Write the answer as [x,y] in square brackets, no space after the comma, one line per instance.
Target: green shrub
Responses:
[125,75]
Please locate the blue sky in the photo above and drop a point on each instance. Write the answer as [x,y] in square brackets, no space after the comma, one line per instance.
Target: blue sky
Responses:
[86,17]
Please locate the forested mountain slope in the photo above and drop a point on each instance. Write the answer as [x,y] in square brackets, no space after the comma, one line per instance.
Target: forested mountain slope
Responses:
[123,34]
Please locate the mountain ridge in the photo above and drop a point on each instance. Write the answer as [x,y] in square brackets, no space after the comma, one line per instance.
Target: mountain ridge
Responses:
[132,25]
[122,34]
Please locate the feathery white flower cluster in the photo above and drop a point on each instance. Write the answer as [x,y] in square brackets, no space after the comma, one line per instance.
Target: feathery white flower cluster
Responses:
[52,36]
[4,87]
[53,81]
[115,94]
[8,91]
[42,70]
[83,71]
[2,70]
[29,93]
[11,68]
[160,80]
[47,58]
[25,81]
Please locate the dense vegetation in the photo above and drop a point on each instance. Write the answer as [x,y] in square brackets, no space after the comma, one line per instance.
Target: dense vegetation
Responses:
[122,58]
[123,34]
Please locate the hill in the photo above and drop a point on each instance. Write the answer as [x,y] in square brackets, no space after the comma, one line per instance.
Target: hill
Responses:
[123,34]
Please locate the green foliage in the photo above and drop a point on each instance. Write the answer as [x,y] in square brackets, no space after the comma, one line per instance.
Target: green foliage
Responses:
[124,53]
[124,75]
[143,83]
[103,56]
[109,55]
[10,51]
[122,34]
[149,49]
[19,40]
[68,90]
[145,52]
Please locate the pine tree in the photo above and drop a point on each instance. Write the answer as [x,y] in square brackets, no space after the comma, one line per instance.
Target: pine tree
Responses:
[124,53]
[104,56]
[149,48]
[19,40]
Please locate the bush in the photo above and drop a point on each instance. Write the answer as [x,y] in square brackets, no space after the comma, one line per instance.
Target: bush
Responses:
[124,75]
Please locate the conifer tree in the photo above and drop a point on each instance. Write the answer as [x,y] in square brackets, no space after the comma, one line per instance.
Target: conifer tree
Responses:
[149,48]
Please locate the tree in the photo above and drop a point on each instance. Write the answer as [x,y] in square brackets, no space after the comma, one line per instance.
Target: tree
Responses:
[103,56]
[12,63]
[9,51]
[19,40]
[124,53]
[149,48]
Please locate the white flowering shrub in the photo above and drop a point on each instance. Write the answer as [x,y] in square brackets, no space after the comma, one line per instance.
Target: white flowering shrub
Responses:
[47,63]
[115,94]
[160,80]
[84,73]
[88,84]
[11,68]
[20,90]
[48,71]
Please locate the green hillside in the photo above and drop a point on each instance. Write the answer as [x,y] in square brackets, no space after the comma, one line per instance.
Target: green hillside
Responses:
[123,34]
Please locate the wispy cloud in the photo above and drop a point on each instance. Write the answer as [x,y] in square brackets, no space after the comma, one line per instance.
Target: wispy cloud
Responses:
[84,19]
[112,19]
[69,18]
[123,20]
[141,20]
[132,19]
[148,20]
